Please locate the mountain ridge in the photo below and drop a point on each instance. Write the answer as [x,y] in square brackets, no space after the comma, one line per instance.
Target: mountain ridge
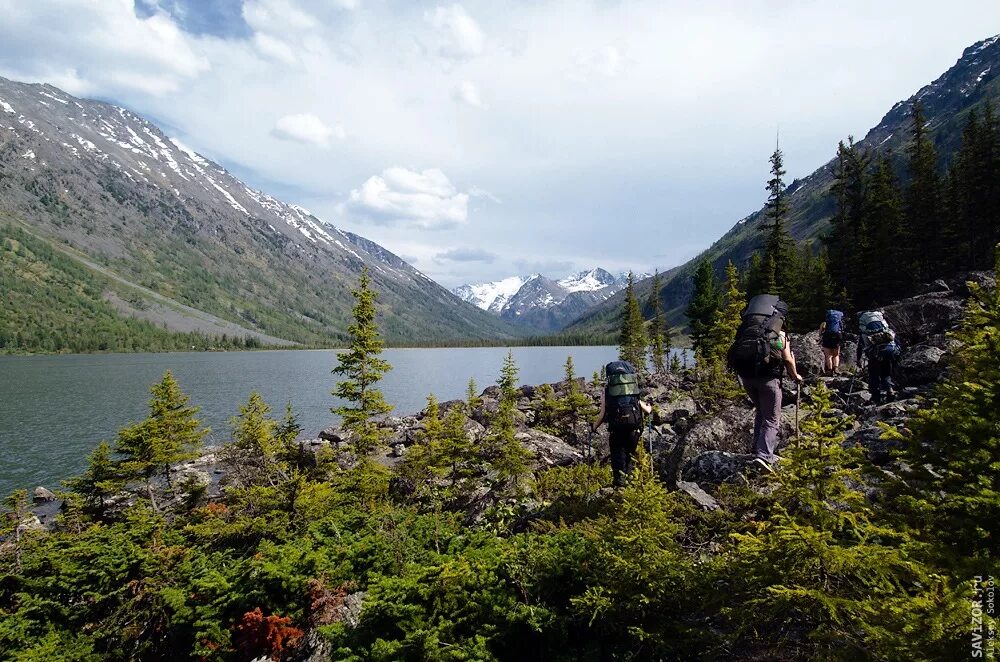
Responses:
[114,186]
[973,78]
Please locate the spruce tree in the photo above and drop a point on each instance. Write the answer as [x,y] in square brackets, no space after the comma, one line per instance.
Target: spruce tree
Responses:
[472,399]
[362,369]
[953,445]
[100,481]
[457,451]
[827,575]
[510,458]
[780,257]
[923,199]
[887,237]
[574,406]
[632,338]
[716,381]
[659,330]
[170,434]
[704,304]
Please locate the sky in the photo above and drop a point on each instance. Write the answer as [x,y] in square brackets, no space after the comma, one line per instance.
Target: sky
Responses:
[487,138]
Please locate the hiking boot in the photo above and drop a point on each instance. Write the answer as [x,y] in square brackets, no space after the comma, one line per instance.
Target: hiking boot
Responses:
[761,463]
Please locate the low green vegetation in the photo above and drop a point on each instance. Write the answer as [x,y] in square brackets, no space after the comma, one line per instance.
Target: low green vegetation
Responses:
[828,559]
[49,302]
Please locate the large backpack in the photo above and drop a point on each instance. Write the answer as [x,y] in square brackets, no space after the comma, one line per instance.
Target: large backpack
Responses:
[834,321]
[621,397]
[875,329]
[756,352]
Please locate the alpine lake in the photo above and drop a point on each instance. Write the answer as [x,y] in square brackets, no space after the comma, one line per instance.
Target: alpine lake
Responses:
[55,409]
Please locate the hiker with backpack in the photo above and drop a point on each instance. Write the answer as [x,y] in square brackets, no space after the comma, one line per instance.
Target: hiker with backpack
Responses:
[623,411]
[878,346]
[831,333]
[759,356]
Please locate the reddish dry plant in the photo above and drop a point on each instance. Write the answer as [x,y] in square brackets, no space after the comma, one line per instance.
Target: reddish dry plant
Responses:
[326,605]
[272,635]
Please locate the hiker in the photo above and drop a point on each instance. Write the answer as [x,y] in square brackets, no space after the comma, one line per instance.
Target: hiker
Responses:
[759,356]
[623,411]
[831,334]
[879,347]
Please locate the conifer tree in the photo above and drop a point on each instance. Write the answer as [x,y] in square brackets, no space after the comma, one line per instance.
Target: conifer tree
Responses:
[457,451]
[260,449]
[424,459]
[923,198]
[659,329]
[510,458]
[632,339]
[825,571]
[472,399]
[780,257]
[574,405]
[362,369]
[170,434]
[100,481]
[887,237]
[675,363]
[704,304]
[954,444]
[717,383]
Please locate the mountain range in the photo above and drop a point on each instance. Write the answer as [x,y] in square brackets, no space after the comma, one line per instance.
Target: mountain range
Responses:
[542,304]
[973,79]
[183,236]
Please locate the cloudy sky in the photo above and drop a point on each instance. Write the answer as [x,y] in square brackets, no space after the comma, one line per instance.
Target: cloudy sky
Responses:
[480,139]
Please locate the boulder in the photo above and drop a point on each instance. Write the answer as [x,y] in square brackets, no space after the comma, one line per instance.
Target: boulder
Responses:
[920,365]
[43,495]
[698,495]
[715,467]
[809,357]
[922,316]
[548,450]
[729,430]
[682,406]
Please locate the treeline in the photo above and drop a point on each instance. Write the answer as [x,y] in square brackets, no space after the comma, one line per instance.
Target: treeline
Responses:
[51,303]
[899,222]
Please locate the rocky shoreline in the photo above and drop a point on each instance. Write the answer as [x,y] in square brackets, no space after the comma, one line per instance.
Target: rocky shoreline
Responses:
[695,446]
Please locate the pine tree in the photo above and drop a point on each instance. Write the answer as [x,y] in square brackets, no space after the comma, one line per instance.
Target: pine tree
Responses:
[659,330]
[457,451]
[170,434]
[363,369]
[632,339]
[424,458]
[886,238]
[704,304]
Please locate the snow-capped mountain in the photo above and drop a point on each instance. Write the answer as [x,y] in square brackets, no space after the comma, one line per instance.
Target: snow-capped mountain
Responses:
[113,185]
[492,296]
[541,303]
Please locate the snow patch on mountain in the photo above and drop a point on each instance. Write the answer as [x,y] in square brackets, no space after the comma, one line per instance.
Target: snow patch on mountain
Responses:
[492,296]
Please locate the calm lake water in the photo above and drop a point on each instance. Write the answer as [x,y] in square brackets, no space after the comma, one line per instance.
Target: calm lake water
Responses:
[55,409]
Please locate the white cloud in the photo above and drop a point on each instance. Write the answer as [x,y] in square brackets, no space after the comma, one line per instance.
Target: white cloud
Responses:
[274,48]
[608,62]
[277,16]
[307,128]
[97,47]
[425,199]
[458,35]
[468,93]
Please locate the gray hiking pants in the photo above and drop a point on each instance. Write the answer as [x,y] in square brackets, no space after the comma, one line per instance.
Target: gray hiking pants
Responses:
[765,392]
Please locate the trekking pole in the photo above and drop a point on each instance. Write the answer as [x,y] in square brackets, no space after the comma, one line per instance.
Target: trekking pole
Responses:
[590,443]
[798,397]
[649,444]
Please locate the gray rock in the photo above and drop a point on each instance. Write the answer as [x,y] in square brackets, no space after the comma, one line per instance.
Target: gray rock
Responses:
[920,365]
[700,496]
[682,406]
[548,450]
[43,495]
[922,316]
[715,467]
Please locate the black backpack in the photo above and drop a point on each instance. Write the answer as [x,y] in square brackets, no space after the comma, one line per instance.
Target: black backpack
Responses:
[621,397]
[755,351]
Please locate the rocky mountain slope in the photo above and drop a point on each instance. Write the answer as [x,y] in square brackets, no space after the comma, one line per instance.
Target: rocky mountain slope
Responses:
[112,185]
[974,78]
[543,304]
